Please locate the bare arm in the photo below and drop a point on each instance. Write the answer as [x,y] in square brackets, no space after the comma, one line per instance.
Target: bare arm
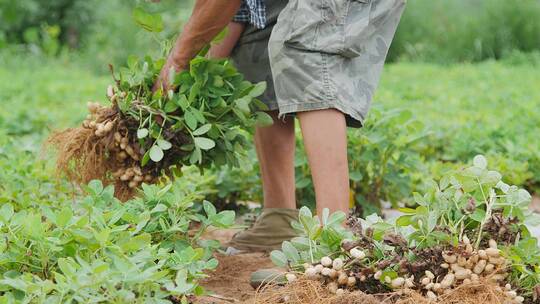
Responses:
[224,48]
[208,18]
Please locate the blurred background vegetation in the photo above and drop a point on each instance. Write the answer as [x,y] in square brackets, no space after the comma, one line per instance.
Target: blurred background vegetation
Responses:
[430,31]
[463,80]
[95,32]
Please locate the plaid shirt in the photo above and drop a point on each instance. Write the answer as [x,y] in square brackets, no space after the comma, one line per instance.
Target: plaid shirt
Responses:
[253,12]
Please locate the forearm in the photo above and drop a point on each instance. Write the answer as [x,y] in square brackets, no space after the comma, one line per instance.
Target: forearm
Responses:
[209,17]
[224,48]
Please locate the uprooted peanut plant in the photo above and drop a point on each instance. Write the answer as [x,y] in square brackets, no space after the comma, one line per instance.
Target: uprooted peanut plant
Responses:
[468,233]
[143,134]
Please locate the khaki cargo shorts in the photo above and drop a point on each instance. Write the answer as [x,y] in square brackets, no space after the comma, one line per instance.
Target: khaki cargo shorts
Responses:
[322,54]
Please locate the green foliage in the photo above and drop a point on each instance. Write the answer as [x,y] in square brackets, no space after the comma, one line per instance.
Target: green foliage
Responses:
[101,32]
[101,250]
[31,109]
[316,239]
[464,201]
[58,246]
[150,22]
[525,257]
[25,179]
[237,184]
[434,31]
[472,109]
[522,58]
[462,30]
[206,116]
[382,160]
[45,25]
[483,101]
[201,121]
[115,34]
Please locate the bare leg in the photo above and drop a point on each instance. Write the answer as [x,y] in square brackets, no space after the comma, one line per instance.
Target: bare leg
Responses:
[325,140]
[275,146]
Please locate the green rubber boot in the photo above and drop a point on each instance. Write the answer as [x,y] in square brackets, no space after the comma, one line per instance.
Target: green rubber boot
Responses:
[268,232]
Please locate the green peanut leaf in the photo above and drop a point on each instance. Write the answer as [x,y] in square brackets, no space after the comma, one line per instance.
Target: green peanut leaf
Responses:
[164,144]
[404,220]
[196,156]
[183,102]
[146,158]
[336,218]
[63,218]
[209,208]
[171,106]
[156,153]
[223,219]
[6,212]
[243,104]
[142,133]
[191,120]
[263,119]
[159,208]
[278,258]
[478,215]
[258,89]
[202,130]
[290,251]
[204,143]
[480,161]
[149,22]
[211,264]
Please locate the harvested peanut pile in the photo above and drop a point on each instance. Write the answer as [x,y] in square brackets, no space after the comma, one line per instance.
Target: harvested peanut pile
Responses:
[462,267]
[464,242]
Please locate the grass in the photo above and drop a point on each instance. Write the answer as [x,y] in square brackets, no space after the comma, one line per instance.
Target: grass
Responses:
[38,96]
[466,30]
[449,97]
[488,108]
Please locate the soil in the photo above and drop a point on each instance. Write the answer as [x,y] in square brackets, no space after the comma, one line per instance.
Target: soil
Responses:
[230,282]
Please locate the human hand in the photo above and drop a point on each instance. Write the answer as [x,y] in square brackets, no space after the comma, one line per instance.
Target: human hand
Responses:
[208,18]
[169,69]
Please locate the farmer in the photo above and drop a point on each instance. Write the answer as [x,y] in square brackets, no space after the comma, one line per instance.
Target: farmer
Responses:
[321,60]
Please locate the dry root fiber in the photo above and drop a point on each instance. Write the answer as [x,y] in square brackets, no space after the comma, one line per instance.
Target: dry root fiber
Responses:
[305,291]
[102,148]
[473,293]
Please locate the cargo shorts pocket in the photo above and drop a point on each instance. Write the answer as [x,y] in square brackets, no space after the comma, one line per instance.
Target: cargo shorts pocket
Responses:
[329,26]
